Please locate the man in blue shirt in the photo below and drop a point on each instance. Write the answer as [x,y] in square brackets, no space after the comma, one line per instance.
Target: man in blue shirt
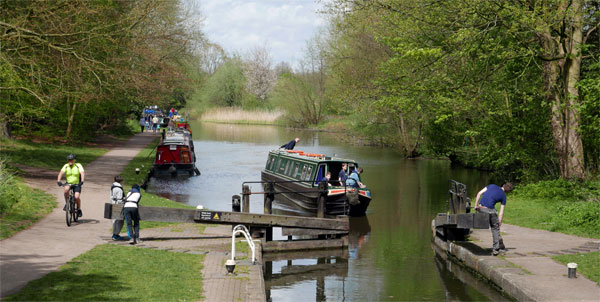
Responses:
[493,194]
[354,178]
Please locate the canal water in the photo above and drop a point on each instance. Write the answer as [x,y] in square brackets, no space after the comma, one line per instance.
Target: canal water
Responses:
[390,256]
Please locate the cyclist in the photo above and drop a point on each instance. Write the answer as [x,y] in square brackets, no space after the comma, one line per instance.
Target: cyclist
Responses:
[75,176]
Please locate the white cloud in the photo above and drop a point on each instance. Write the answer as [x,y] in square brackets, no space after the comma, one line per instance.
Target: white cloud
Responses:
[284,26]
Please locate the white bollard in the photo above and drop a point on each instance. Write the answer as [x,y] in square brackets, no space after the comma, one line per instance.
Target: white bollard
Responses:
[572,270]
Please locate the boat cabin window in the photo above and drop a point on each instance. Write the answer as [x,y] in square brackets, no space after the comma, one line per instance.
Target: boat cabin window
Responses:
[287,167]
[308,173]
[282,163]
[270,162]
[320,174]
[296,170]
[303,173]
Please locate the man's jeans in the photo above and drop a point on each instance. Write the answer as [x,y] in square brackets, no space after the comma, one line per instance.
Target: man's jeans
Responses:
[495,226]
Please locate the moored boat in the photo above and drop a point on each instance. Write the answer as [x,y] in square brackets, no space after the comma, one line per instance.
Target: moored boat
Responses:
[175,155]
[296,177]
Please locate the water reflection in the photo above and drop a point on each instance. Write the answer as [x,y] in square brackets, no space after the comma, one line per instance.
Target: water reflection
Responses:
[389,256]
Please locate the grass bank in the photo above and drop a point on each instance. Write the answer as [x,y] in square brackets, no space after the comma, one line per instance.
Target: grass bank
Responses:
[143,161]
[20,205]
[588,264]
[120,273]
[236,115]
[557,206]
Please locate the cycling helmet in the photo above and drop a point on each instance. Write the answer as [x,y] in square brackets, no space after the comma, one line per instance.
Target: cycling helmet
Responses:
[71,156]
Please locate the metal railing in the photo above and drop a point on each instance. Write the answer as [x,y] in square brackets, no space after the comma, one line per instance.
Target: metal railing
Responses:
[244,231]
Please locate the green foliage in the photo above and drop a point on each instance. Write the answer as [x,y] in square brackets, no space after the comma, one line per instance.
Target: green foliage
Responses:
[588,264]
[20,206]
[590,115]
[560,189]
[558,206]
[461,79]
[120,273]
[583,215]
[89,73]
[226,86]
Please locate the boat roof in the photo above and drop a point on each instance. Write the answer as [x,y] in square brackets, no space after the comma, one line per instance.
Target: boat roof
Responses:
[176,138]
[316,157]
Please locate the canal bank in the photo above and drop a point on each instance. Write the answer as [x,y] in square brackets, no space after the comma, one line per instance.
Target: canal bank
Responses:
[214,242]
[526,271]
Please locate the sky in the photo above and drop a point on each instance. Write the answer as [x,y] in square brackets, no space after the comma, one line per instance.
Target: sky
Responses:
[282,26]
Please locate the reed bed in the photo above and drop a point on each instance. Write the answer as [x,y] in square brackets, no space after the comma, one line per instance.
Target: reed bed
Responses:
[236,115]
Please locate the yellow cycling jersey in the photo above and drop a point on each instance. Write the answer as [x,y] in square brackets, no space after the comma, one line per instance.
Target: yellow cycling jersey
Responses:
[72,174]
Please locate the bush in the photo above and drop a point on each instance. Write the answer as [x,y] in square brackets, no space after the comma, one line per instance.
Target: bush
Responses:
[561,189]
[9,191]
[583,216]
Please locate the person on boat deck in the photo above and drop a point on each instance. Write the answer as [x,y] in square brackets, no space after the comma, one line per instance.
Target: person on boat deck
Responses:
[354,178]
[291,144]
[328,178]
[343,176]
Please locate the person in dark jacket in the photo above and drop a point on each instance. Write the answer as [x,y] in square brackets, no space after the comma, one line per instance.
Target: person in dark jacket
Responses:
[132,216]
[291,144]
[489,196]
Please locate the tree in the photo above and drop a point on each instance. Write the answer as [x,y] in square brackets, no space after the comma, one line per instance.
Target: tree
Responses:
[260,76]
[91,69]
[465,69]
[226,86]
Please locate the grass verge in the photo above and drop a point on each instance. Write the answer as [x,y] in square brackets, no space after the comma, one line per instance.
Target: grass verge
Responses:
[41,155]
[588,264]
[120,273]
[21,206]
[557,206]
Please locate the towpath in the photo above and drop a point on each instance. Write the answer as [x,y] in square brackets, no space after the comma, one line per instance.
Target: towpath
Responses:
[48,244]
[526,270]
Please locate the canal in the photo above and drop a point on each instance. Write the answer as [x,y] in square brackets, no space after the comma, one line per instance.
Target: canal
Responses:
[390,256]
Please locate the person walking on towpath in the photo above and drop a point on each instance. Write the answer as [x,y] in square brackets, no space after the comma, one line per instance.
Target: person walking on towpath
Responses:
[142,124]
[75,175]
[291,144]
[490,195]
[116,197]
[132,216]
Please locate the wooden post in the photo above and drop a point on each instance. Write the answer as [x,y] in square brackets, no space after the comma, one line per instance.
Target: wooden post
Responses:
[268,208]
[269,197]
[245,199]
[235,203]
[322,198]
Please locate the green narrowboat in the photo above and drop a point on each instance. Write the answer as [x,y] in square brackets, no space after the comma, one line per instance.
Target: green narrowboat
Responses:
[296,176]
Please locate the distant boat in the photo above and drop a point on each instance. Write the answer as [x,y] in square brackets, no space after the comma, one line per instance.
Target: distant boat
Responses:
[175,155]
[296,176]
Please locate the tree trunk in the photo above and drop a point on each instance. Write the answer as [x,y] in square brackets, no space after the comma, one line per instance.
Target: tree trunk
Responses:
[561,77]
[4,127]
[71,117]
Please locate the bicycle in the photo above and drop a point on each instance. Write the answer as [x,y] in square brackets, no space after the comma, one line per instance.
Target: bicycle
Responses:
[71,209]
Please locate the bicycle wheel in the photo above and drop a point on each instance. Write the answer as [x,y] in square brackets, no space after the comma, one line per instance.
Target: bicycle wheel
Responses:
[75,210]
[68,211]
